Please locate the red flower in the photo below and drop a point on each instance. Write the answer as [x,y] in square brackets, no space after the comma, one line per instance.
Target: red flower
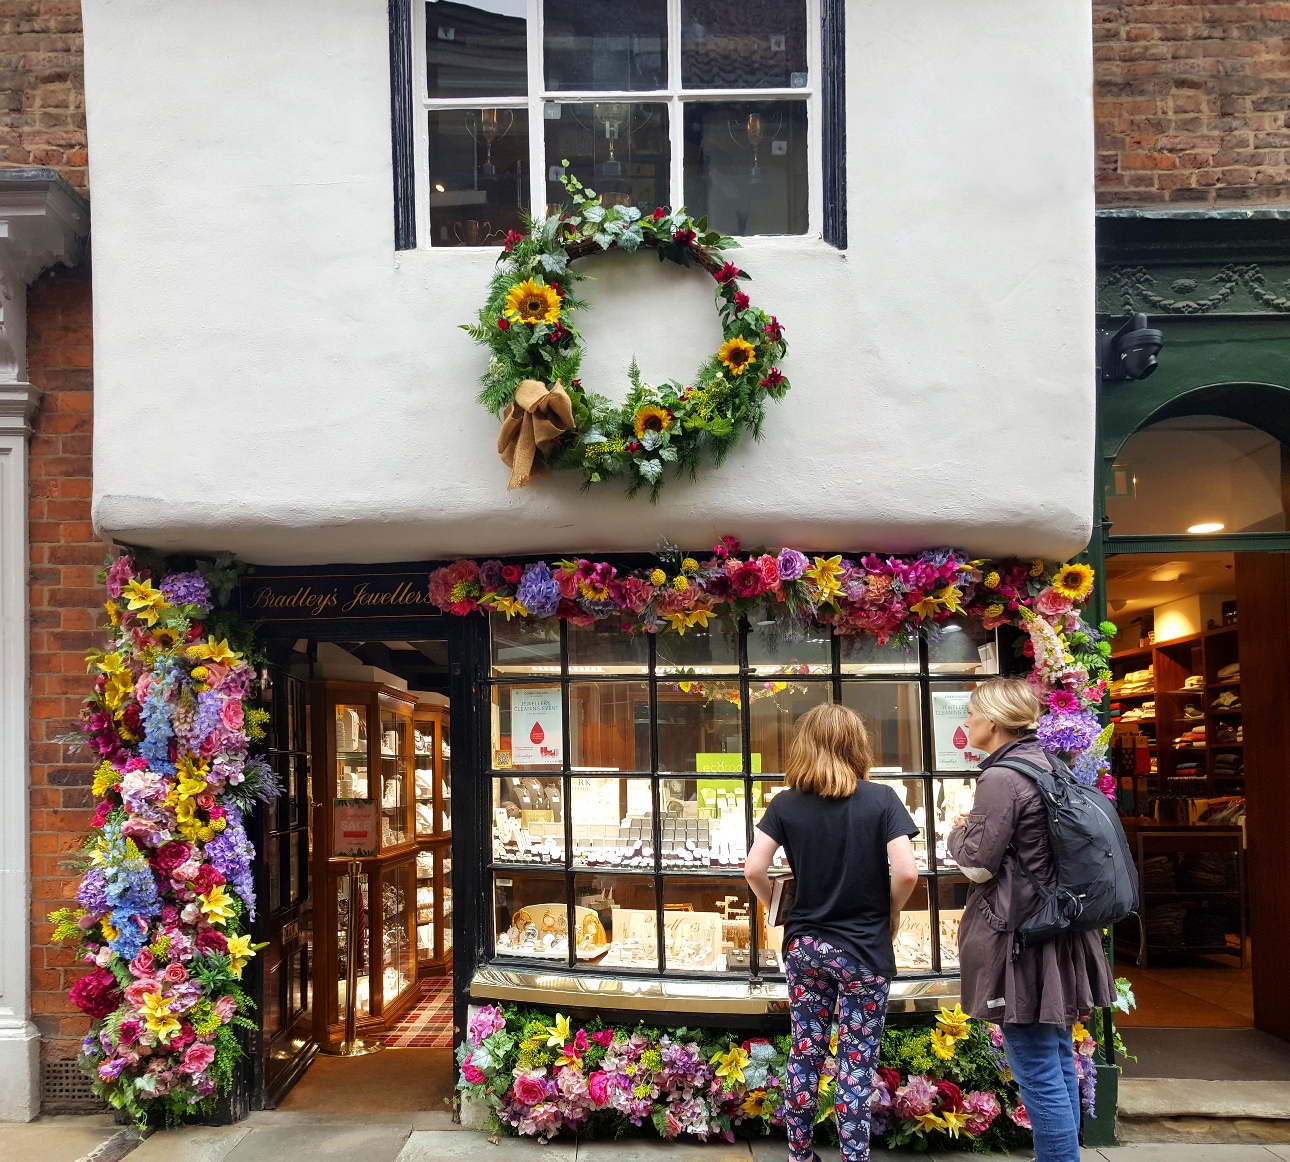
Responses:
[727,274]
[130,718]
[171,855]
[774,377]
[949,1094]
[208,941]
[96,994]
[742,301]
[747,581]
[206,879]
[769,569]
[890,1078]
[774,331]
[559,333]
[684,237]
[512,574]
[101,812]
[660,212]
[503,325]
[513,239]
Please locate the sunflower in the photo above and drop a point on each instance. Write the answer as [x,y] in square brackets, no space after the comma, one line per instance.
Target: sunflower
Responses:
[1073,582]
[737,354]
[650,418]
[532,302]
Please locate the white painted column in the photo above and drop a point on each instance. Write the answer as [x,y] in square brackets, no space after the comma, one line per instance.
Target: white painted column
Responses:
[42,221]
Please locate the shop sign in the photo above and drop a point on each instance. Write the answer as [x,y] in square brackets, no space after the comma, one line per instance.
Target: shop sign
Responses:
[949,729]
[315,597]
[536,727]
[354,827]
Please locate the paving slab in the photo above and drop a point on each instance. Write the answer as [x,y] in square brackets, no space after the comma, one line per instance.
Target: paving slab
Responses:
[190,1144]
[475,1146]
[1187,1152]
[656,1150]
[1207,1054]
[1158,1097]
[55,1138]
[342,1141]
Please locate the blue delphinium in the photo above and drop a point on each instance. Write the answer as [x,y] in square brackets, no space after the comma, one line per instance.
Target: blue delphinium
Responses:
[158,730]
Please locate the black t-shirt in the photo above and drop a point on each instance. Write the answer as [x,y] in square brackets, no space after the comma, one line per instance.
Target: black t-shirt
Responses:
[837,849]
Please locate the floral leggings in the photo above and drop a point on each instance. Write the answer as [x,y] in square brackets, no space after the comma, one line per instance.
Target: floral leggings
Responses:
[818,975]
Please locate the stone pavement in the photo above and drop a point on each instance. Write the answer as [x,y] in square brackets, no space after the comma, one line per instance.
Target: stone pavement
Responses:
[272,1136]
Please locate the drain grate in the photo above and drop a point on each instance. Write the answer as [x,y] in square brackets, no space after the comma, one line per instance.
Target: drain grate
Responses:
[64,1089]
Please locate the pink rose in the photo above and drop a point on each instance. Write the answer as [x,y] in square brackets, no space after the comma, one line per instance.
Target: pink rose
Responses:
[198,1057]
[1052,604]
[605,1037]
[136,992]
[529,1090]
[206,800]
[226,1007]
[141,965]
[175,974]
[471,1074]
[230,714]
[598,1085]
[171,856]
[1020,1116]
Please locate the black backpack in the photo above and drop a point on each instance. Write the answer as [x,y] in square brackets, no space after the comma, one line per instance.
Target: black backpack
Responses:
[1097,880]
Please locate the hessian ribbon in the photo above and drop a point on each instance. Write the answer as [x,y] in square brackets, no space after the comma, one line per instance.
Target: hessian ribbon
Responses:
[536,420]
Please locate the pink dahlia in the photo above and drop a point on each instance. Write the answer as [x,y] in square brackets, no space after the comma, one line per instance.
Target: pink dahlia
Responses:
[470,1073]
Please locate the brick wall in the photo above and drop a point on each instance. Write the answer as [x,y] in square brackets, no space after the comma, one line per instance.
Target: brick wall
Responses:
[65,607]
[42,87]
[1193,102]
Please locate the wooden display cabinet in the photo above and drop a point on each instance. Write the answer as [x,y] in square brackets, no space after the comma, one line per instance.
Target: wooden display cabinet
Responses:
[363,740]
[433,794]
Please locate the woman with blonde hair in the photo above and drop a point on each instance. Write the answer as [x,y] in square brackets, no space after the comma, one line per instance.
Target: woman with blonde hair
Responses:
[847,842]
[1038,992]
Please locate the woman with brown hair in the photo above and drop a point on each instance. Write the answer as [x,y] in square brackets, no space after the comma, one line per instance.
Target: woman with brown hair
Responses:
[847,841]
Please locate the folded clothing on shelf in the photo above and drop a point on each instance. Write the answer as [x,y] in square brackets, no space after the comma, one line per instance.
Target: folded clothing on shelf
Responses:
[1158,874]
[1134,682]
[1227,700]
[1165,925]
[1230,673]
[1203,871]
[1205,928]
[1193,713]
[1226,733]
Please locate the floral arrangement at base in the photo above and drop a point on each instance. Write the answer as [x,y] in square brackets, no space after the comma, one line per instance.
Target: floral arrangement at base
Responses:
[946,1085]
[167,889]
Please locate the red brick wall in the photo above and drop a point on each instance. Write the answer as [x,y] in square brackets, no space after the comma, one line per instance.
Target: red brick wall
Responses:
[42,87]
[1192,102]
[65,607]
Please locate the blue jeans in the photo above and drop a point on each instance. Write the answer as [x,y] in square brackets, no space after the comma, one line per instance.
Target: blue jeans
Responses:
[1041,1060]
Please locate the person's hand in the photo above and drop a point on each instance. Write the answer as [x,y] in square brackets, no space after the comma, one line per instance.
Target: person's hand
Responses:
[895,925]
[961,818]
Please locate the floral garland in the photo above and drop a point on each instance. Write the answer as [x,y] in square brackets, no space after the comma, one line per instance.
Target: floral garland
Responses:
[167,887]
[539,1076]
[891,598]
[526,325]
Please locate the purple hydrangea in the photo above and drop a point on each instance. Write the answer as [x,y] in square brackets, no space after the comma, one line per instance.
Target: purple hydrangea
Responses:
[792,564]
[1068,732]
[231,853]
[538,591]
[92,894]
[187,589]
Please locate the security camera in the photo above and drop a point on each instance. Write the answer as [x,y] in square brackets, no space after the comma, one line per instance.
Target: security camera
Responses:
[1131,352]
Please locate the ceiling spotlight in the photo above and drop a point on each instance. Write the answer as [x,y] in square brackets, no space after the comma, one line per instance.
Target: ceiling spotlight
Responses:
[439,187]
[1212,526]
[1129,353]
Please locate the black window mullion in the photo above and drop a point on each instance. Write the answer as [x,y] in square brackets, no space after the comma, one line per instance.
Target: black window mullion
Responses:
[745,714]
[656,803]
[566,783]
[930,880]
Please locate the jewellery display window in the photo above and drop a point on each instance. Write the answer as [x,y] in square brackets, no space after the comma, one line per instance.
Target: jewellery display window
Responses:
[432,783]
[433,789]
[628,773]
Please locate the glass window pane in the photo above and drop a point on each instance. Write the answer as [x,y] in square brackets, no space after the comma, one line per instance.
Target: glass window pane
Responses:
[699,726]
[913,945]
[912,793]
[893,716]
[477,50]
[530,915]
[605,44]
[620,150]
[771,942]
[604,648]
[609,726]
[599,899]
[479,185]
[612,822]
[525,645]
[963,648]
[774,650]
[362,932]
[776,707]
[745,165]
[396,730]
[862,654]
[527,727]
[699,651]
[730,44]
[952,797]
[951,895]
[951,751]
[705,924]
[397,904]
[528,819]
[703,823]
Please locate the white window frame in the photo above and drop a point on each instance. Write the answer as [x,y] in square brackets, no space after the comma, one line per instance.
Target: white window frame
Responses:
[673,96]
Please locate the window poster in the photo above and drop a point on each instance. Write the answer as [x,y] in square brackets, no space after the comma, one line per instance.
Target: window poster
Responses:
[949,730]
[354,827]
[535,727]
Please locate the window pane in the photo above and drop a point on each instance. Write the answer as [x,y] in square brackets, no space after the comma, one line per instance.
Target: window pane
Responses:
[705,925]
[528,819]
[774,715]
[362,932]
[479,186]
[912,793]
[913,946]
[604,648]
[527,728]
[893,717]
[635,931]
[773,650]
[861,654]
[949,730]
[525,645]
[530,915]
[605,44]
[731,44]
[703,823]
[963,648]
[621,150]
[612,821]
[714,650]
[745,165]
[477,50]
[699,726]
[951,894]
[598,900]
[953,797]
[609,726]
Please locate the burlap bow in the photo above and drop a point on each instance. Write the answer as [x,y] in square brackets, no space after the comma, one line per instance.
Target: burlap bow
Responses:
[536,420]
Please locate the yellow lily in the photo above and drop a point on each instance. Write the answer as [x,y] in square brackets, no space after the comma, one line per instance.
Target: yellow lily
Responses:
[688,619]
[510,606]
[942,1044]
[559,1032]
[239,953]
[119,689]
[216,905]
[954,1021]
[213,651]
[833,1043]
[927,606]
[156,1012]
[930,1122]
[949,598]
[144,600]
[111,663]
[730,1064]
[954,1121]
[825,573]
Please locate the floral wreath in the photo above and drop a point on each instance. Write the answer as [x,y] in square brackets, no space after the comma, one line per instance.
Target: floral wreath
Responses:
[550,420]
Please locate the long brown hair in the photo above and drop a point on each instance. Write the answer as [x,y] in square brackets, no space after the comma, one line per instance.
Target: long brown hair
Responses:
[829,752]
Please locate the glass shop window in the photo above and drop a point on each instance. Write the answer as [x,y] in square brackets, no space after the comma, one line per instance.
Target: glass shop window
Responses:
[702,103]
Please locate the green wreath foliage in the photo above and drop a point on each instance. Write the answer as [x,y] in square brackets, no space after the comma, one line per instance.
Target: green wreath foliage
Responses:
[527,326]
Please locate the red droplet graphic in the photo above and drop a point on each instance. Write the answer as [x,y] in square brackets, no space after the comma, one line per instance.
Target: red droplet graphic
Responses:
[960,739]
[536,735]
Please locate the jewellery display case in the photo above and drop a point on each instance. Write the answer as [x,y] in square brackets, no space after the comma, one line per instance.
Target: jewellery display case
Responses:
[363,750]
[432,781]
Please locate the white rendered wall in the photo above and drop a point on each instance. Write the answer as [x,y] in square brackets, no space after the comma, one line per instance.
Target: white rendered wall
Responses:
[271,378]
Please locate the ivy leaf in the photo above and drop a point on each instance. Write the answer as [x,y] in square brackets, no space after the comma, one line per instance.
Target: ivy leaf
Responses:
[595,213]
[601,239]
[651,440]
[667,452]
[650,469]
[556,263]
[595,436]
